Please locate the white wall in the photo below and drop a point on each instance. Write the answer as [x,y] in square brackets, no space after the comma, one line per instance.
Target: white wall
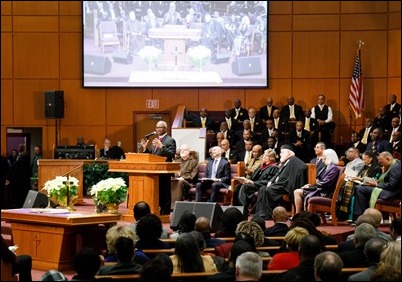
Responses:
[194,137]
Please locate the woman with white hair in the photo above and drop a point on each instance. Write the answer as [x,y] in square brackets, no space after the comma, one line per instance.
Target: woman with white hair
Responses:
[325,182]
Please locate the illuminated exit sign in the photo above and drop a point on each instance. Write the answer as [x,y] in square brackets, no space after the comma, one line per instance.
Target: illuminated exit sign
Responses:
[152,104]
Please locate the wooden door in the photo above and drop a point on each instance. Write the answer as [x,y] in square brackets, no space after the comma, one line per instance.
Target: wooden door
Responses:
[145,122]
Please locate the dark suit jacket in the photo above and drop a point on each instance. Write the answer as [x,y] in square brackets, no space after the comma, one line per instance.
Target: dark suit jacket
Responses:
[243,115]
[232,156]
[395,110]
[313,124]
[282,124]
[168,151]
[264,112]
[354,258]
[278,229]
[258,125]
[384,122]
[299,114]
[361,133]
[382,145]
[233,122]
[223,171]
[209,123]
[392,183]
[120,268]
[302,152]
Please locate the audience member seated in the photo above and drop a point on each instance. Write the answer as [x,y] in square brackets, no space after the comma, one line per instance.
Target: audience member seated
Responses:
[230,218]
[116,232]
[228,134]
[300,139]
[186,224]
[356,257]
[391,256]
[227,152]
[244,148]
[396,229]
[87,263]
[289,258]
[280,123]
[292,173]
[324,184]
[255,122]
[308,224]
[238,248]
[327,266]
[187,176]
[395,127]
[231,122]
[244,192]
[220,262]
[105,152]
[149,230]
[255,161]
[158,269]
[239,114]
[383,120]
[372,252]
[187,257]
[387,187]
[309,247]
[386,273]
[324,116]
[202,225]
[292,112]
[396,145]
[364,136]
[267,131]
[140,210]
[280,227]
[125,259]
[267,110]
[254,230]
[203,121]
[378,143]
[346,201]
[218,170]
[21,264]
[248,267]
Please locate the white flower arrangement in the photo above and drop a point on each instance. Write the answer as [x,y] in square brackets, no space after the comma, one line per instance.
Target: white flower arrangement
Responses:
[108,191]
[199,55]
[57,188]
[150,55]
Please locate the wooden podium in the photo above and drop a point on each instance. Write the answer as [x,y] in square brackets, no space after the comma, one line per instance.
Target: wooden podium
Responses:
[143,171]
[174,36]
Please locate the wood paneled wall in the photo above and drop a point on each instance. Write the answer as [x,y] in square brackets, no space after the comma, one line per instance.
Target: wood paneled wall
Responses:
[312,46]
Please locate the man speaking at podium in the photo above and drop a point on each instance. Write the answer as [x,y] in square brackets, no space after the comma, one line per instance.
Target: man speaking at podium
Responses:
[165,146]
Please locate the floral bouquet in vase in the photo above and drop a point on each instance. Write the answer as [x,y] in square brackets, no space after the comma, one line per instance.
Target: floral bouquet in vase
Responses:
[199,56]
[110,192]
[150,55]
[57,190]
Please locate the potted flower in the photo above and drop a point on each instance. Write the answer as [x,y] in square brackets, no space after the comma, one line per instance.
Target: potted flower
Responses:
[110,192]
[57,190]
[150,55]
[199,56]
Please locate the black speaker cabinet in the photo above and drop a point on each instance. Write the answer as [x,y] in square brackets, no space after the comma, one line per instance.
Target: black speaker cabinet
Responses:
[221,58]
[54,104]
[247,66]
[94,64]
[36,199]
[212,211]
[122,58]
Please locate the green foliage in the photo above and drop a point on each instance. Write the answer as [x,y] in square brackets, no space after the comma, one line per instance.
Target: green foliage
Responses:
[95,172]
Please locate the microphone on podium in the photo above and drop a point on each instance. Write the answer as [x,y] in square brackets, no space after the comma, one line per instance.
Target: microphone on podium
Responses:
[150,134]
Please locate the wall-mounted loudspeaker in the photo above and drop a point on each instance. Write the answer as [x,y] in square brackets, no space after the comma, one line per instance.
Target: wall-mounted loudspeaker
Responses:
[247,66]
[97,64]
[212,211]
[54,104]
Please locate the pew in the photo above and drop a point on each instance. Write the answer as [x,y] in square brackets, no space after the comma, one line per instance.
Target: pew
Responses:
[200,276]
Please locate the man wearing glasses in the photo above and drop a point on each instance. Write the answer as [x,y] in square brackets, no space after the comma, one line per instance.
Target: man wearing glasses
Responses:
[165,146]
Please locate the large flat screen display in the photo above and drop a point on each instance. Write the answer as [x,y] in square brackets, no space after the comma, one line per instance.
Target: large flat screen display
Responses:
[175,44]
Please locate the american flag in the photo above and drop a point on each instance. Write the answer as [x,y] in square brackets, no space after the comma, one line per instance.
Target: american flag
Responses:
[356,97]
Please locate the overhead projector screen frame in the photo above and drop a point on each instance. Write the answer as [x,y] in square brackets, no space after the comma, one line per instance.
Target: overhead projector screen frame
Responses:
[119,52]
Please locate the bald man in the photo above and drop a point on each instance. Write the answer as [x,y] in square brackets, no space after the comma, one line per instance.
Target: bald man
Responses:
[280,228]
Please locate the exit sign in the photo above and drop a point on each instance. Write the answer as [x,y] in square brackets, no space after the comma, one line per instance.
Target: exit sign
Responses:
[152,104]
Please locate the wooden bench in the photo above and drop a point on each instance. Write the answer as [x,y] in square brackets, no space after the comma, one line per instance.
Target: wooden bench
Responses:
[225,195]
[200,276]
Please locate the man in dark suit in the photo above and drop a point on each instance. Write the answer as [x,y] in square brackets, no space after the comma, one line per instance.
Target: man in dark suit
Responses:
[280,123]
[227,133]
[255,122]
[300,138]
[395,127]
[365,133]
[393,107]
[378,143]
[280,227]
[165,146]
[396,145]
[229,120]
[105,152]
[292,112]
[267,131]
[383,120]
[227,152]
[267,110]
[389,182]
[218,174]
[204,121]
[239,114]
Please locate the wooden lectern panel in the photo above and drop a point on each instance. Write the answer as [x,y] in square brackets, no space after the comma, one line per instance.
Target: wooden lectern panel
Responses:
[144,158]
